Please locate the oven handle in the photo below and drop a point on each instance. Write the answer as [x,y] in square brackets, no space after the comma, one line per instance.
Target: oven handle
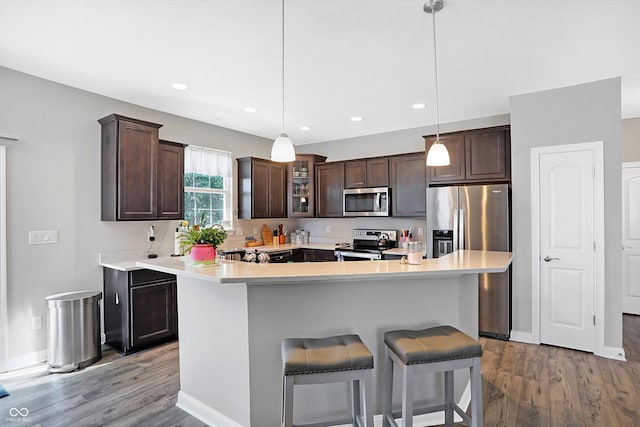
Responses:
[342,254]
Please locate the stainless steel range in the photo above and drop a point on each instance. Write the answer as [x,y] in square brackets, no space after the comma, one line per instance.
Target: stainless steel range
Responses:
[368,244]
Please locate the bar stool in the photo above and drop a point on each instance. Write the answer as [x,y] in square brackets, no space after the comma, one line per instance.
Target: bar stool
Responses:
[438,349]
[329,360]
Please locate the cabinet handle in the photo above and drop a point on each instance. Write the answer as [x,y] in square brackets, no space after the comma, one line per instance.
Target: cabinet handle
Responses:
[117,299]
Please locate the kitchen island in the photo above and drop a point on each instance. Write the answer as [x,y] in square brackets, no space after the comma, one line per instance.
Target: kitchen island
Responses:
[233,317]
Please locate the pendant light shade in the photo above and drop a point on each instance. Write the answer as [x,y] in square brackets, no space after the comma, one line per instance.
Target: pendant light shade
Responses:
[282,148]
[438,155]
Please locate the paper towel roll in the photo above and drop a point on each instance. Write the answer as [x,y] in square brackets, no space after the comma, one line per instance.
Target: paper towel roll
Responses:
[177,250]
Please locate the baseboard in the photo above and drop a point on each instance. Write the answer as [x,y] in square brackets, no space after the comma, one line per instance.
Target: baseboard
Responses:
[26,360]
[203,412]
[525,337]
[213,418]
[615,353]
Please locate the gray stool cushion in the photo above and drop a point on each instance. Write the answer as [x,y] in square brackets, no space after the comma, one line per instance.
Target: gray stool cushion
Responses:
[317,355]
[432,345]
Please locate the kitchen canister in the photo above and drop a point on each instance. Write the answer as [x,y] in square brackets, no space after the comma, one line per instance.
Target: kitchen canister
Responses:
[414,252]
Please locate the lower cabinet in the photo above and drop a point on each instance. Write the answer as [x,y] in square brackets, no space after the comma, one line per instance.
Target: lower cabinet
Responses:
[140,309]
[313,255]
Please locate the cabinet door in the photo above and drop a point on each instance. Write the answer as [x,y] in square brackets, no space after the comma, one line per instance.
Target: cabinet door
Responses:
[259,189]
[487,157]
[329,189]
[378,172]
[355,174]
[170,181]
[137,174]
[408,185]
[277,191]
[323,255]
[116,308]
[455,172]
[153,313]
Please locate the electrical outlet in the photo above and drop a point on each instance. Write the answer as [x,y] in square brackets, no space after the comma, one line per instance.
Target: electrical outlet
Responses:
[36,323]
[255,231]
[420,231]
[327,229]
[238,231]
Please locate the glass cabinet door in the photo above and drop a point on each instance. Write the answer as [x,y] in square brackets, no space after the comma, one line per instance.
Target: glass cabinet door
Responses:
[301,191]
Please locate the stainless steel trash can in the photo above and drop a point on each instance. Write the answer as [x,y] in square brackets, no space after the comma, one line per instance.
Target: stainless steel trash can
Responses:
[74,330]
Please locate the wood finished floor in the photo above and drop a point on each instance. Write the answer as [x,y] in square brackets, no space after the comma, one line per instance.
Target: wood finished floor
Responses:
[523,385]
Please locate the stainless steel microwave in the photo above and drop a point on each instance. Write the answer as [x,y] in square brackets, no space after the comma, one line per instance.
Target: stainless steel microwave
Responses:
[366,201]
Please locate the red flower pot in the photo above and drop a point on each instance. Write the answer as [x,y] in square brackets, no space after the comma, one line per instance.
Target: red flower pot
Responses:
[203,254]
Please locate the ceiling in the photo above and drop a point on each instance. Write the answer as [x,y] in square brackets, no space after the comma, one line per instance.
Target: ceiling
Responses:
[343,58]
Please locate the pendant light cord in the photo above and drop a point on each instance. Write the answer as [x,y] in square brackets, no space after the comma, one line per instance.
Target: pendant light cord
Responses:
[435,73]
[282,67]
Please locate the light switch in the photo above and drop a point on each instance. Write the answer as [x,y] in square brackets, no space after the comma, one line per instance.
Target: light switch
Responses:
[46,237]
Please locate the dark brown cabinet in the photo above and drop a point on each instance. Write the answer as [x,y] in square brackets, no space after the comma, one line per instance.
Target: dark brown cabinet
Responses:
[262,188]
[408,185]
[141,178]
[329,187]
[301,189]
[140,309]
[367,173]
[170,180]
[313,255]
[482,155]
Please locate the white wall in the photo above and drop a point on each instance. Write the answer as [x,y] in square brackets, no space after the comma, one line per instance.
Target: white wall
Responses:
[583,113]
[631,140]
[53,176]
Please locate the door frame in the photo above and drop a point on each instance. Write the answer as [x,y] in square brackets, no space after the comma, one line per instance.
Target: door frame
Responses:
[3,257]
[597,148]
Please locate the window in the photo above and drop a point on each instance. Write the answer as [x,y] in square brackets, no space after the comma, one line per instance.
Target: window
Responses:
[207,186]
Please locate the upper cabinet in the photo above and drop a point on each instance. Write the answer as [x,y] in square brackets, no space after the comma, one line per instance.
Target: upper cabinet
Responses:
[366,173]
[262,188]
[300,186]
[140,180]
[329,181]
[407,176]
[482,155]
[170,180]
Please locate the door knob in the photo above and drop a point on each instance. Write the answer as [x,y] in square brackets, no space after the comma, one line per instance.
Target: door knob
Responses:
[547,259]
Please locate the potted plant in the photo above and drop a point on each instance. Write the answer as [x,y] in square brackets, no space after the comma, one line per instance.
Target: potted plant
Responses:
[202,242]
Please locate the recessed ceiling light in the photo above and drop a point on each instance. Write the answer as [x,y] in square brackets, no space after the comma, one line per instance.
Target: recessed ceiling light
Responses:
[356,119]
[180,86]
[305,128]
[418,106]
[250,109]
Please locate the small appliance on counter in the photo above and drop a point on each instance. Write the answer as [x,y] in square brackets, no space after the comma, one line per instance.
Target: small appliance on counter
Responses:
[368,244]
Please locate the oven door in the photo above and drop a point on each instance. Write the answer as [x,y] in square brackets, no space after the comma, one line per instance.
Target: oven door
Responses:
[343,255]
[366,201]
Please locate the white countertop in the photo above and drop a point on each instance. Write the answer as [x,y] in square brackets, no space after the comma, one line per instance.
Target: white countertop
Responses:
[457,263]
[126,261]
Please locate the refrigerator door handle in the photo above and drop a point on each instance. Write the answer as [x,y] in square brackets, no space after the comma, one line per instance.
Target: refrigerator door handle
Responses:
[455,229]
[461,229]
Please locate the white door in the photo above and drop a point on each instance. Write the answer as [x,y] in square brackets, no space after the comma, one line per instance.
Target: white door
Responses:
[631,237]
[567,248]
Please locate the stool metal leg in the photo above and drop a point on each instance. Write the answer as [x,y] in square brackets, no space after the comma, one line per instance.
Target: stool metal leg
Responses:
[368,397]
[287,400]
[356,400]
[407,395]
[448,398]
[476,394]
[387,387]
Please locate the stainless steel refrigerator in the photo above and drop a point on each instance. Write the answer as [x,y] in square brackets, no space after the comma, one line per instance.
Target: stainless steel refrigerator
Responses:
[475,217]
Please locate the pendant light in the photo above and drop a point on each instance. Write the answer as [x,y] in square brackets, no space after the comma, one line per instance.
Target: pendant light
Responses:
[437,154]
[282,148]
